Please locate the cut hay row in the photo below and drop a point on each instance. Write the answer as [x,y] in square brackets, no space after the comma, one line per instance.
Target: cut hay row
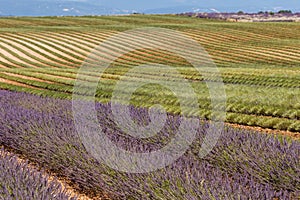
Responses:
[159,55]
[56,60]
[231,54]
[12,56]
[218,36]
[61,56]
[48,48]
[260,53]
[150,57]
[76,51]
[24,55]
[263,55]
[131,58]
[244,35]
[15,53]
[77,39]
[136,42]
[59,49]
[276,53]
[94,38]
[272,30]
[75,48]
[32,53]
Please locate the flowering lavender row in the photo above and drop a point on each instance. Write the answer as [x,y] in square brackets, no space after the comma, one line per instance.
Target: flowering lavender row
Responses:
[19,181]
[243,164]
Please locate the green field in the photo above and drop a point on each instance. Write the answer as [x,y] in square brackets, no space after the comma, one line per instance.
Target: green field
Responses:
[259,63]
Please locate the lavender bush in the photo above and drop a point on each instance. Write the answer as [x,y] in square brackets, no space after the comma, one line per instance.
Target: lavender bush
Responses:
[19,181]
[243,165]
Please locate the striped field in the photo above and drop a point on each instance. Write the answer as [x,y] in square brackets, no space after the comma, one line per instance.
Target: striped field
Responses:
[259,62]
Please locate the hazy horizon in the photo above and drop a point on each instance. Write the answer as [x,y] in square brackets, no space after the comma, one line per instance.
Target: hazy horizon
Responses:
[107,7]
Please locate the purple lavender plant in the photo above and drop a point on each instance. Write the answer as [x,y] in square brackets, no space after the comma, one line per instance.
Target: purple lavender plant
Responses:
[19,181]
[244,164]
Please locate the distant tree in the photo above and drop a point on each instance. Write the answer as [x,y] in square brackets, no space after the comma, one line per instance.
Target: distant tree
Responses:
[137,13]
[271,13]
[284,11]
[240,12]
[261,12]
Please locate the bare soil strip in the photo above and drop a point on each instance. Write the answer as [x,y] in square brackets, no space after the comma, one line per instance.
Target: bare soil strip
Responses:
[8,55]
[35,44]
[53,58]
[2,80]
[61,44]
[260,53]
[28,77]
[15,47]
[293,135]
[74,46]
[34,55]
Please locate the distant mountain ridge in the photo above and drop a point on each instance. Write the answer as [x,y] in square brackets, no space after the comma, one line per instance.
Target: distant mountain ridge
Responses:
[113,7]
[54,8]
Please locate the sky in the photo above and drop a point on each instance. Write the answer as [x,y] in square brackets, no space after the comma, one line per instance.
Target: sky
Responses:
[153,4]
[107,7]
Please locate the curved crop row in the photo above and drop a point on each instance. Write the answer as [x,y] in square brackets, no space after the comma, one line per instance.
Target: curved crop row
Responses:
[281,118]
[20,181]
[239,165]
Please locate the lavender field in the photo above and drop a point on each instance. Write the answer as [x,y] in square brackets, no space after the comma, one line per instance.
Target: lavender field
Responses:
[243,165]
[61,120]
[20,181]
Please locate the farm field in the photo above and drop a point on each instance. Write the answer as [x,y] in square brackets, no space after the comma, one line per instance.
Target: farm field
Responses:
[42,56]
[259,63]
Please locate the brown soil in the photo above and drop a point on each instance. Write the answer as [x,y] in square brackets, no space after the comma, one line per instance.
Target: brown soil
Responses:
[17,84]
[32,55]
[28,78]
[32,43]
[52,48]
[10,56]
[260,52]
[293,135]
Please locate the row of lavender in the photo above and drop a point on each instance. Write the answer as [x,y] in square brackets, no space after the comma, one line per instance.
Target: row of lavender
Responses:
[243,164]
[19,181]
